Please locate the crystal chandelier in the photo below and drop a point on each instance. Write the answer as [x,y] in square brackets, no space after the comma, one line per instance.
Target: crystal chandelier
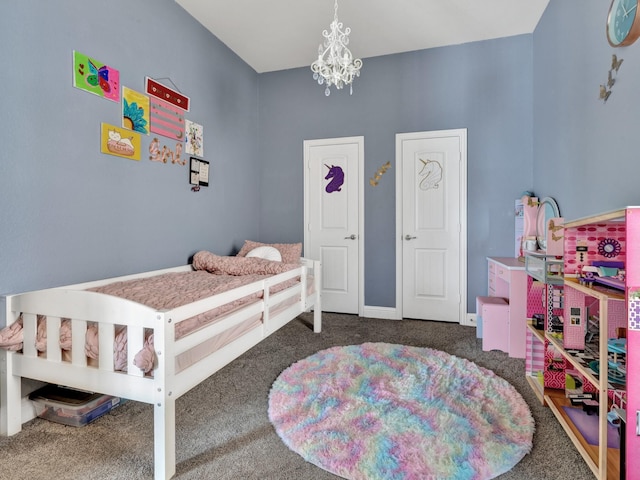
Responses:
[335,64]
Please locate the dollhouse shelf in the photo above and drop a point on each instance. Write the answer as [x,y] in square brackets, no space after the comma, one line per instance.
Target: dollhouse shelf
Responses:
[578,364]
[590,453]
[600,292]
[613,216]
[533,377]
[537,388]
[536,332]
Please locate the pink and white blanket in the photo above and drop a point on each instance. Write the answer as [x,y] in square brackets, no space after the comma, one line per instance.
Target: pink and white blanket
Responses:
[212,275]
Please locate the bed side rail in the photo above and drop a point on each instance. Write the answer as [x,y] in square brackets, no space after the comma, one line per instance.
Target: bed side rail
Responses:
[189,310]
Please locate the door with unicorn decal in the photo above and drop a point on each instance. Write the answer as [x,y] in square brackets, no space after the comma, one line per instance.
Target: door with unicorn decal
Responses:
[334,198]
[431,225]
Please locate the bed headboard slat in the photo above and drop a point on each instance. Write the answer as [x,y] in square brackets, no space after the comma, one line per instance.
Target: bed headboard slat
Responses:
[78,336]
[106,336]
[135,342]
[30,328]
[54,352]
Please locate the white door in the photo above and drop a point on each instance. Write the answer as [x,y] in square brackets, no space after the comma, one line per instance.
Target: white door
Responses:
[431,225]
[333,220]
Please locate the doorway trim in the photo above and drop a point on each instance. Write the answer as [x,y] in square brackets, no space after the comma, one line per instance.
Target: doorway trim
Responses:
[307,144]
[462,135]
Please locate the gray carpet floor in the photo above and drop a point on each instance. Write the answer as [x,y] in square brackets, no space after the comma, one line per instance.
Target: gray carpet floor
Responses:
[223,431]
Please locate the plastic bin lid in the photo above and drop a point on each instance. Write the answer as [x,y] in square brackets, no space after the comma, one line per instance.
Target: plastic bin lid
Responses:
[60,394]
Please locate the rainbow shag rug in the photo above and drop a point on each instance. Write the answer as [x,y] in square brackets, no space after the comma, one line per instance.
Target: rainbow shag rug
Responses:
[383,411]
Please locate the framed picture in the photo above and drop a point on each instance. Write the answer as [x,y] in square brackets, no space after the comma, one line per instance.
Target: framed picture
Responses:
[199,172]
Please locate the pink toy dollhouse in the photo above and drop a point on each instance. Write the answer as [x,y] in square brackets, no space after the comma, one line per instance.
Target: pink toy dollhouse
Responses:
[591,334]
[601,305]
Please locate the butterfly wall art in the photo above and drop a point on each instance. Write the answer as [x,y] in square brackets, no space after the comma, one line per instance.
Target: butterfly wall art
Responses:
[95,77]
[605,89]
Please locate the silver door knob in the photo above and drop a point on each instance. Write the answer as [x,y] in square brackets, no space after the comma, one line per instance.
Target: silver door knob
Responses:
[351,237]
[408,237]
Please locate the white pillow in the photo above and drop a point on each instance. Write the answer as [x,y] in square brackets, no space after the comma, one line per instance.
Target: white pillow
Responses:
[268,253]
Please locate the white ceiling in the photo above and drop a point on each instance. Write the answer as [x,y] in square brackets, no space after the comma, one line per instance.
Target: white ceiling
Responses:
[275,35]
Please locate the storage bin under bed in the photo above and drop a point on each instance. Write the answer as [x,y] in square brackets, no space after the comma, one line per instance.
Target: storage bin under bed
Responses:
[70,406]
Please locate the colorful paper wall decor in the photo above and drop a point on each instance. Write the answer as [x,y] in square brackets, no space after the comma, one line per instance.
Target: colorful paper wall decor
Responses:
[95,77]
[167,94]
[195,140]
[165,119]
[120,142]
[167,110]
[135,111]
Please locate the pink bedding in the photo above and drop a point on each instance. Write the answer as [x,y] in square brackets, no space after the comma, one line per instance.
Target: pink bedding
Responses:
[213,275]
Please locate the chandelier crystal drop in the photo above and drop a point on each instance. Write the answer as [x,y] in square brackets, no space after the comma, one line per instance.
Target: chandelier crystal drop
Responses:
[335,64]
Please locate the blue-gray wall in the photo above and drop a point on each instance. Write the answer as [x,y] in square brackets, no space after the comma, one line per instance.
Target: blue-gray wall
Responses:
[485,87]
[69,213]
[585,151]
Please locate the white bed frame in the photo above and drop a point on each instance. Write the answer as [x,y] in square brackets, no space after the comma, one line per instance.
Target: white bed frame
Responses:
[80,305]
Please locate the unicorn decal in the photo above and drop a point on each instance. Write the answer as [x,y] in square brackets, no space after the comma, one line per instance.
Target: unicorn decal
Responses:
[431,174]
[337,178]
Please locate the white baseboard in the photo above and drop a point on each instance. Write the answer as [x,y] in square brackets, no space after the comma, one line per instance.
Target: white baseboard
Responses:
[470,321]
[383,313]
[390,313]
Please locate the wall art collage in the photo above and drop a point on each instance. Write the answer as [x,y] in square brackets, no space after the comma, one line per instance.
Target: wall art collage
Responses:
[159,110]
